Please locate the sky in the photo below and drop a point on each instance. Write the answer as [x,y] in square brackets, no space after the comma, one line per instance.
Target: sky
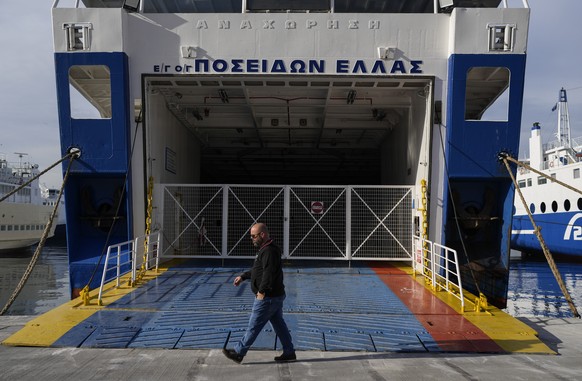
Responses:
[28,108]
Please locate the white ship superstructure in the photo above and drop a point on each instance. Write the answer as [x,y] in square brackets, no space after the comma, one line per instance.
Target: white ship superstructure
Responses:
[23,216]
[555,208]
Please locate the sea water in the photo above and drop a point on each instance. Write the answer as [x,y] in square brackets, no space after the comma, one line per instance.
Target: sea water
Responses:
[47,286]
[533,289]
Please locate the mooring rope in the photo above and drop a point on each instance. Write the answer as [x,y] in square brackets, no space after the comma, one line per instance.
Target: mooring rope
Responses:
[34,259]
[537,229]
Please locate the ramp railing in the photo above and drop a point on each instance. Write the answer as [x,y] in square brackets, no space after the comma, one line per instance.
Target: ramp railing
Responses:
[440,266]
[126,257]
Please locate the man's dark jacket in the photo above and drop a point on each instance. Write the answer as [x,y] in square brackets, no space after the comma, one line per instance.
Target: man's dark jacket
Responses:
[267,273]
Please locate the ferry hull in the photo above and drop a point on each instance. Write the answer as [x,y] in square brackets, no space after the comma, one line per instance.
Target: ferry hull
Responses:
[284,100]
[30,220]
[561,232]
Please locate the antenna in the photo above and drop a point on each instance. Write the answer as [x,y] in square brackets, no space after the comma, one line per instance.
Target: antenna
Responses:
[20,155]
[563,120]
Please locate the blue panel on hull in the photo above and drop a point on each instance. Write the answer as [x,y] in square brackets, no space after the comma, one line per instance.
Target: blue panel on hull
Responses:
[562,233]
[103,142]
[473,145]
[479,186]
[97,182]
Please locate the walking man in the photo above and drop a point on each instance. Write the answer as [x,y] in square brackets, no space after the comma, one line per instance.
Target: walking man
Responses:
[267,284]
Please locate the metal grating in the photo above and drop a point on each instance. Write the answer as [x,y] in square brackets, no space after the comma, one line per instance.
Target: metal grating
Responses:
[381,222]
[317,226]
[307,222]
[246,206]
[192,220]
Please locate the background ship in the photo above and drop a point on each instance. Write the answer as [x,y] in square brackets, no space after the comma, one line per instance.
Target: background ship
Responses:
[23,215]
[555,208]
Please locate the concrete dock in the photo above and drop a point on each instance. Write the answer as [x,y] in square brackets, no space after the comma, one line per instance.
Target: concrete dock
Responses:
[564,336]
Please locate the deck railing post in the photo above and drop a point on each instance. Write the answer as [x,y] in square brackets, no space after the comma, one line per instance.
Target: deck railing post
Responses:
[349,223]
[286,219]
[224,249]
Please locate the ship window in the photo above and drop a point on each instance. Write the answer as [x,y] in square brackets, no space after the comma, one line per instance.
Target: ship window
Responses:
[521,183]
[567,205]
[487,94]
[501,37]
[9,228]
[580,203]
[90,91]
[554,206]
[542,180]
[543,207]
[576,173]
[16,227]
[529,182]
[532,207]
[78,36]
[2,228]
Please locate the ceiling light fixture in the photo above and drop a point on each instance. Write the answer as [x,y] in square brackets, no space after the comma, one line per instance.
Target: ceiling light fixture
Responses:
[223,95]
[351,97]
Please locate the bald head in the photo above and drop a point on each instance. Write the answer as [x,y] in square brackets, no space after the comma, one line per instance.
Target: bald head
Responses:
[259,234]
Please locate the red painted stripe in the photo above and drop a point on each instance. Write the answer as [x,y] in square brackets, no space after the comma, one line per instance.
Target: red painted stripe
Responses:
[451,331]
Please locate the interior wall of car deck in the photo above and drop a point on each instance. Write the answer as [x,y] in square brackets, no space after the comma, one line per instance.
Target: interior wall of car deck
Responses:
[395,160]
[174,152]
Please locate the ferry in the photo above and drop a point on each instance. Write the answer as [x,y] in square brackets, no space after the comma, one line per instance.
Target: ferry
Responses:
[353,129]
[555,208]
[51,197]
[23,215]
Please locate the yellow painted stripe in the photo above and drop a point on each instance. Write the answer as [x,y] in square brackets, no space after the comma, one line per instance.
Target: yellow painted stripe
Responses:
[508,332]
[47,328]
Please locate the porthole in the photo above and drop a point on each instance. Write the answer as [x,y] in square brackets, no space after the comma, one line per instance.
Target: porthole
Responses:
[513,210]
[580,203]
[543,207]
[554,206]
[532,207]
[566,205]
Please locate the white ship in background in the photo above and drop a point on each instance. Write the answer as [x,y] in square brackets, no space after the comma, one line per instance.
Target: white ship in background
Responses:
[50,197]
[23,215]
[555,208]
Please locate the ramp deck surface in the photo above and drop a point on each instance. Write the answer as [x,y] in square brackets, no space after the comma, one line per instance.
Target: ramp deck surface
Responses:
[329,307]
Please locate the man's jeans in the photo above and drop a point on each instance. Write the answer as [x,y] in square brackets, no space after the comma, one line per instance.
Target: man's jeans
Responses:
[268,309]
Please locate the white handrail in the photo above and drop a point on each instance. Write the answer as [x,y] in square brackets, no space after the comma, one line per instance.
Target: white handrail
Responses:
[141,252]
[145,256]
[116,252]
[440,265]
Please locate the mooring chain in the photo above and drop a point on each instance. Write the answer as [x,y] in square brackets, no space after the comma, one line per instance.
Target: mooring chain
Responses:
[537,229]
[34,259]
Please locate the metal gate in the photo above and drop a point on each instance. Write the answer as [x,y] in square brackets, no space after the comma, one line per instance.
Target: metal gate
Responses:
[308,222]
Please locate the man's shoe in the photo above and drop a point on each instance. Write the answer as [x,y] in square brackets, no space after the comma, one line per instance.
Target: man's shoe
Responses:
[232,355]
[286,357]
